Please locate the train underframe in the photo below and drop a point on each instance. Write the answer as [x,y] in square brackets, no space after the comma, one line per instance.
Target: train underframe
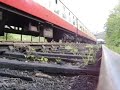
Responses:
[14,21]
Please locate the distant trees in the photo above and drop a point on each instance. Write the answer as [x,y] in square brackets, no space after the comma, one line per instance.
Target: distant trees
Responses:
[113,27]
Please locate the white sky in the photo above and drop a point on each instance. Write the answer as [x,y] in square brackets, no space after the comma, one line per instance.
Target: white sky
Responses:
[92,13]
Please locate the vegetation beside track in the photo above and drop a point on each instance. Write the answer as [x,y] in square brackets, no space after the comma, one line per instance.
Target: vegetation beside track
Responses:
[79,55]
[113,29]
[17,37]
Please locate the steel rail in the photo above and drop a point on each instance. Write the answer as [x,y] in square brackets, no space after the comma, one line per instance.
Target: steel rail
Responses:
[109,78]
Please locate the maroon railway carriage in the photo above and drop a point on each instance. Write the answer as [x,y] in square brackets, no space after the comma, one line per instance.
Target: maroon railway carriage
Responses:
[31,18]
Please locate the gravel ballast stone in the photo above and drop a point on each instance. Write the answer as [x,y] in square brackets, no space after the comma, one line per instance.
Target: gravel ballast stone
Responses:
[46,81]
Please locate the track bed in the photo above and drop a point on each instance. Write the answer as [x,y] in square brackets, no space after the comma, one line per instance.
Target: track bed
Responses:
[42,81]
[65,68]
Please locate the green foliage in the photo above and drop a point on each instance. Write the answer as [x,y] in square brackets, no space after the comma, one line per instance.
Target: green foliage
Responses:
[43,59]
[68,47]
[17,37]
[33,58]
[91,55]
[114,48]
[58,60]
[30,49]
[72,49]
[10,37]
[113,29]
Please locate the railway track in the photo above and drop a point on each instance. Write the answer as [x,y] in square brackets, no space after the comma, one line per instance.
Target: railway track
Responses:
[52,66]
[57,66]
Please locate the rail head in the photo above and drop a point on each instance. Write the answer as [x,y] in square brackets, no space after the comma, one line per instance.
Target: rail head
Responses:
[109,78]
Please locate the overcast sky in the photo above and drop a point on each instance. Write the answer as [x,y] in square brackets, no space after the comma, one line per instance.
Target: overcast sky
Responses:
[92,13]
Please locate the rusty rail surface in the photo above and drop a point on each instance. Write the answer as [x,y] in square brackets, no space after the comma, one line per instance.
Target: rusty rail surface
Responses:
[109,78]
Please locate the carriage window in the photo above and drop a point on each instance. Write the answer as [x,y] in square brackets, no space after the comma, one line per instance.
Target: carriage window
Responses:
[73,22]
[56,1]
[69,13]
[76,21]
[64,8]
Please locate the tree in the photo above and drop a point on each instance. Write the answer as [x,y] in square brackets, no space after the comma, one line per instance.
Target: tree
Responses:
[113,27]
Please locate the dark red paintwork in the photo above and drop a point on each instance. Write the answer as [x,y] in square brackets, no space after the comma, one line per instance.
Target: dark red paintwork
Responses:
[39,11]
